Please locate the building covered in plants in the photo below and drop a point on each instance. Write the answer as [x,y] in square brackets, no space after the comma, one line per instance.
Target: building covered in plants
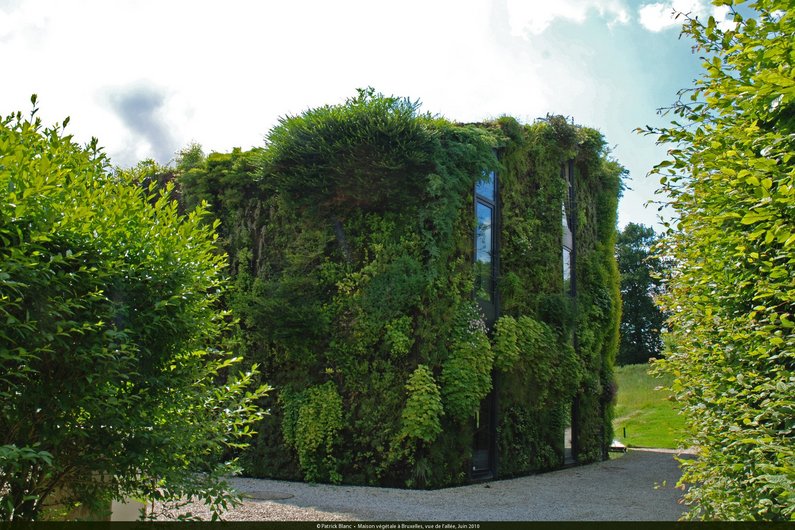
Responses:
[434,302]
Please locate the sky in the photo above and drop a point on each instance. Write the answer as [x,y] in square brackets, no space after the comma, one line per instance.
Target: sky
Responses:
[149,77]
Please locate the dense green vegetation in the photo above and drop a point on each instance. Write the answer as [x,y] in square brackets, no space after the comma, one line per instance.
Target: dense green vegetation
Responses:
[731,182]
[642,274]
[350,238]
[645,414]
[112,382]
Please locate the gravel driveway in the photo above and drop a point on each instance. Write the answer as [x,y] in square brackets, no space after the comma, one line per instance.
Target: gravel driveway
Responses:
[638,486]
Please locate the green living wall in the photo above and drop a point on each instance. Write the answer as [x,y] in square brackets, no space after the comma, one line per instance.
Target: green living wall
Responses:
[351,236]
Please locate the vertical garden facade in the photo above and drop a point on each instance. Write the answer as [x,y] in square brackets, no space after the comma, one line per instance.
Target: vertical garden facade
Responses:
[434,303]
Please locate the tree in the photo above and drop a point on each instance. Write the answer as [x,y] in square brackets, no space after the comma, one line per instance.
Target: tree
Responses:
[641,281]
[731,182]
[112,378]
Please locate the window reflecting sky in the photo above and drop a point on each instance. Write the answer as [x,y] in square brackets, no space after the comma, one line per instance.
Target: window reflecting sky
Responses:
[484,216]
[486,188]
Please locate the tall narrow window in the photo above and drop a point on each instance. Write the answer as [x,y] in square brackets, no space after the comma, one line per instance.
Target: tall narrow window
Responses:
[485,189]
[568,228]
[486,257]
[484,251]
[570,433]
[485,243]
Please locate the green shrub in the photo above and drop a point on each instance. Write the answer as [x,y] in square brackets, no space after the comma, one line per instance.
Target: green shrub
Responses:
[730,182]
[111,328]
[371,154]
[398,336]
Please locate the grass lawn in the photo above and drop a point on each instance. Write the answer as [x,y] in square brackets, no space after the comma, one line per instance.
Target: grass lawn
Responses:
[645,410]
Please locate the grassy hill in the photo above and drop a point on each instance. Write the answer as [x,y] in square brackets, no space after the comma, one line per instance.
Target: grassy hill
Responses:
[645,411]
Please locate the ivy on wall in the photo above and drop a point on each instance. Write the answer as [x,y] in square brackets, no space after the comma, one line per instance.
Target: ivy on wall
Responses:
[351,244]
[566,345]
[311,425]
[423,410]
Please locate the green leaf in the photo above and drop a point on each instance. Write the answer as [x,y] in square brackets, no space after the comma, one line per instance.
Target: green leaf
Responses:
[754,217]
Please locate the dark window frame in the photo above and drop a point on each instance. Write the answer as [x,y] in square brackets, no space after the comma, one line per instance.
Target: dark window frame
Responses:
[570,209]
[569,206]
[489,307]
[491,312]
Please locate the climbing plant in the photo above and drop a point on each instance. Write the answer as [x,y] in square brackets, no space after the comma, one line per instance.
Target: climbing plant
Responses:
[566,345]
[423,408]
[312,421]
[351,242]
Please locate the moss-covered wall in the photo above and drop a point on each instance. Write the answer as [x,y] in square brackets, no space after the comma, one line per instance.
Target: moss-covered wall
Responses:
[350,238]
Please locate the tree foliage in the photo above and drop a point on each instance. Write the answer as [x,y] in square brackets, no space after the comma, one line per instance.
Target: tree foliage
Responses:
[731,182]
[111,380]
[641,282]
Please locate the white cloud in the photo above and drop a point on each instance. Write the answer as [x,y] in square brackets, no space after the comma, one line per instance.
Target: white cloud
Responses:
[227,72]
[657,17]
[723,18]
[6,25]
[147,77]
[535,17]
[661,16]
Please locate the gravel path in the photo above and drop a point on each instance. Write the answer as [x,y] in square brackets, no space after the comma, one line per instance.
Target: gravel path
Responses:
[638,486]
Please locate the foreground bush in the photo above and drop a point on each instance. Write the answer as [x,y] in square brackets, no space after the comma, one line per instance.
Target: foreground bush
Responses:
[110,381]
[732,185]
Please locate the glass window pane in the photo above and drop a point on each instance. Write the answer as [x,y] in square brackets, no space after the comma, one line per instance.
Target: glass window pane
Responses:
[568,237]
[485,186]
[566,265]
[484,249]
